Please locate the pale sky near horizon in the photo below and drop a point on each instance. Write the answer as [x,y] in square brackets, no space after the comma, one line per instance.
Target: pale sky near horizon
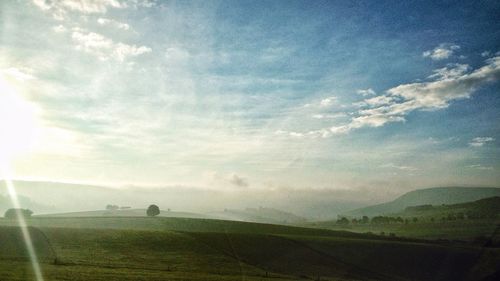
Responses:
[252,94]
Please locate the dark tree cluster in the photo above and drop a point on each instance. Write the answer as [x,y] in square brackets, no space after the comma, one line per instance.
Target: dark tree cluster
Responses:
[375,220]
[386,220]
[13,213]
[343,221]
[111,207]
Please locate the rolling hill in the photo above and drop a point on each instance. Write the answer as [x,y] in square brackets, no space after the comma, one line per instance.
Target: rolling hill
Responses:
[428,196]
[122,248]
[260,215]
[123,213]
[25,202]
[483,208]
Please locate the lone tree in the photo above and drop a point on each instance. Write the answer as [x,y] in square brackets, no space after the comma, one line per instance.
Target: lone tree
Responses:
[153,210]
[11,213]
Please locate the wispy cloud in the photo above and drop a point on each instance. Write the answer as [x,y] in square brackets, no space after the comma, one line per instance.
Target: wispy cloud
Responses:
[451,84]
[113,23]
[377,101]
[451,71]
[448,84]
[59,9]
[480,167]
[366,92]
[441,52]
[104,48]
[59,28]
[485,54]
[326,102]
[329,116]
[400,167]
[480,141]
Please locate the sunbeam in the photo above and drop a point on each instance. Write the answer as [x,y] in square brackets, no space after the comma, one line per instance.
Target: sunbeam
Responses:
[21,222]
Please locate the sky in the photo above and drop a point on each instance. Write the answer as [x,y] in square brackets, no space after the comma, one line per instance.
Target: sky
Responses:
[252,95]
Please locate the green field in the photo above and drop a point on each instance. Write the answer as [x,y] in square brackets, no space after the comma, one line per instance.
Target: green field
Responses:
[464,230]
[469,221]
[121,248]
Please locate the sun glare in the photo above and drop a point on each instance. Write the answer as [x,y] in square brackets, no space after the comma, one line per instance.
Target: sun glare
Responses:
[18,126]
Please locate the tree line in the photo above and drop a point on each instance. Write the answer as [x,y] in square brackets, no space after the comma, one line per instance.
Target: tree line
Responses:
[471,215]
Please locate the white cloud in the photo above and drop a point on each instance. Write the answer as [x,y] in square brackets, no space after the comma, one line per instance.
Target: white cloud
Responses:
[329,116]
[452,70]
[441,52]
[289,134]
[373,120]
[113,23]
[480,167]
[400,167]
[480,141]
[60,9]
[485,54]
[60,28]
[376,101]
[327,101]
[366,92]
[103,47]
[451,83]
[437,94]
[141,3]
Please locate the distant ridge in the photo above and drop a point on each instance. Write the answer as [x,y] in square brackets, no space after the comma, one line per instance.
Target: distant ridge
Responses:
[482,208]
[432,196]
[123,213]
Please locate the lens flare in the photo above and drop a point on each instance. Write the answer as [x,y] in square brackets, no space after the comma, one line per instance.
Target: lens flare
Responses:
[22,223]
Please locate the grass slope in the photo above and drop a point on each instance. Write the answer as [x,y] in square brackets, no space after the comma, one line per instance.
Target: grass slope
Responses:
[433,196]
[175,224]
[101,249]
[488,207]
[464,230]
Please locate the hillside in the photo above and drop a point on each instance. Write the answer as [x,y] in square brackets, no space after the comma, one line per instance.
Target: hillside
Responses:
[191,249]
[429,196]
[25,202]
[483,208]
[174,224]
[260,215]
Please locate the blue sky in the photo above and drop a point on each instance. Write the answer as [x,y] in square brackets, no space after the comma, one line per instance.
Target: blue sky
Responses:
[253,94]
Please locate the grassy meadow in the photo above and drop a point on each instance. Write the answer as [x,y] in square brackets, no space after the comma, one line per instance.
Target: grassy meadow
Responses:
[135,248]
[463,230]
